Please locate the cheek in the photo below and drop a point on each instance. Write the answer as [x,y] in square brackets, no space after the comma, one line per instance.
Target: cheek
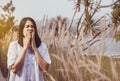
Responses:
[24,32]
[33,32]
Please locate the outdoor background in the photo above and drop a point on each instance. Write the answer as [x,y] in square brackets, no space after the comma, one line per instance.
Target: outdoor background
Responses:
[82,36]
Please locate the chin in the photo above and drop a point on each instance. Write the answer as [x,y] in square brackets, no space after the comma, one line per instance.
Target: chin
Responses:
[30,35]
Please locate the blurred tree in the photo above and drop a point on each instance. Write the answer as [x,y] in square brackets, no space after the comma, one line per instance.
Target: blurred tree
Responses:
[58,24]
[6,18]
[6,24]
[116,13]
[88,9]
[116,19]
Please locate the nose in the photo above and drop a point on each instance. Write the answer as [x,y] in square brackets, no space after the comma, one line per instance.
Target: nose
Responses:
[30,28]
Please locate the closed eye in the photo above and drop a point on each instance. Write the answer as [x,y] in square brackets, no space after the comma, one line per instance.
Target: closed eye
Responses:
[29,26]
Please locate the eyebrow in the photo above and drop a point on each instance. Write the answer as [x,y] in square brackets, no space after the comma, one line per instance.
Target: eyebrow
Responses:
[29,25]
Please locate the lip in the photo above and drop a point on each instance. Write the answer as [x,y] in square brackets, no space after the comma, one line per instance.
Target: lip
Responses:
[30,31]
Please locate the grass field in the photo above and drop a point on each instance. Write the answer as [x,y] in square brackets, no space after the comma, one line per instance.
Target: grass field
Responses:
[69,63]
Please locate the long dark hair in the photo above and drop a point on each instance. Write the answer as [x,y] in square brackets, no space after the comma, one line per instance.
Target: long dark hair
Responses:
[21,26]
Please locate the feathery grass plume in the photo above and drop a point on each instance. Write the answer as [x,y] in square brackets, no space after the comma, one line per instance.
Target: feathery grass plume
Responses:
[69,61]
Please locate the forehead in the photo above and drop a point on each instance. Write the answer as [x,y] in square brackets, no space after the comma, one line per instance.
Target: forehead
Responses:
[28,22]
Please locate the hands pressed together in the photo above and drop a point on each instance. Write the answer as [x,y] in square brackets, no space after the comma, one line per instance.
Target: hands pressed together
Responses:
[29,40]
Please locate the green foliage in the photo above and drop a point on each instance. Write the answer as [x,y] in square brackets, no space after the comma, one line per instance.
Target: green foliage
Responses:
[117,37]
[88,22]
[116,13]
[116,18]
[90,7]
[86,2]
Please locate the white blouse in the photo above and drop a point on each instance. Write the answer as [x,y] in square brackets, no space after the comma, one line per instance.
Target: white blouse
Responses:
[30,70]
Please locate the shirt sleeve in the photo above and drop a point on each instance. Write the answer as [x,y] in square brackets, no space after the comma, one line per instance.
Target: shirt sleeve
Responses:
[45,54]
[11,55]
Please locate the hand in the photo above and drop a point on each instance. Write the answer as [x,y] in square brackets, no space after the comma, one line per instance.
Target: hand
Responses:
[26,41]
[33,42]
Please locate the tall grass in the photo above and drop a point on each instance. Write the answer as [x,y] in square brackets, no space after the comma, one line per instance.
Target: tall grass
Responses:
[4,44]
[69,62]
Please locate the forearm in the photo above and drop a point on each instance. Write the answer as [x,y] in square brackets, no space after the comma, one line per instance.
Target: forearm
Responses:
[19,61]
[42,63]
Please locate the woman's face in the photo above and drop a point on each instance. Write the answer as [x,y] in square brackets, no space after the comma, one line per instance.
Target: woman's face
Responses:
[28,29]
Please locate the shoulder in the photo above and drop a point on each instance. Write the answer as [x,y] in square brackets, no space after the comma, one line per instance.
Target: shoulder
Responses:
[13,43]
[43,50]
[42,46]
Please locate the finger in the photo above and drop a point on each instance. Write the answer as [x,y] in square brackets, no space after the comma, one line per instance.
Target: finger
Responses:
[28,36]
[33,34]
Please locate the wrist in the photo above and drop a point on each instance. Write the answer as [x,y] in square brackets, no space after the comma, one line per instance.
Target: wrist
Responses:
[35,50]
[24,49]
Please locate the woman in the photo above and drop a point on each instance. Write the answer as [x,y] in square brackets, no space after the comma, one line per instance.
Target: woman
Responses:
[28,57]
